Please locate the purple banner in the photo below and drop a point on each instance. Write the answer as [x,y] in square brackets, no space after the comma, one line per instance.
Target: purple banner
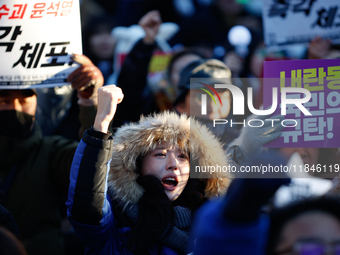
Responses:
[321,77]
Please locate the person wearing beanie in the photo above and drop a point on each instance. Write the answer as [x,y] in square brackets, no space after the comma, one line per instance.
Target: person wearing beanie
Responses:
[192,77]
[133,193]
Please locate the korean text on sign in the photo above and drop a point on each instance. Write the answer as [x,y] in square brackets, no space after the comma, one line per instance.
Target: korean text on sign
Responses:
[322,79]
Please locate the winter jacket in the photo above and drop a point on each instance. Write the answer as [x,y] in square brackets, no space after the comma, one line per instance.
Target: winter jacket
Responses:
[103,176]
[237,223]
[40,168]
[7,221]
[214,234]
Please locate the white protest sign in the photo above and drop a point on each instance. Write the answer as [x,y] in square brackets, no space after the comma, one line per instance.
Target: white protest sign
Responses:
[37,39]
[289,22]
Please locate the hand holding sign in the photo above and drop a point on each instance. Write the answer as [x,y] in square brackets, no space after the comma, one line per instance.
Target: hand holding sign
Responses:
[86,79]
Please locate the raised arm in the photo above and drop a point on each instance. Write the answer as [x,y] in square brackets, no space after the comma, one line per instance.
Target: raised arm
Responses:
[109,96]
[86,80]
[88,207]
[133,75]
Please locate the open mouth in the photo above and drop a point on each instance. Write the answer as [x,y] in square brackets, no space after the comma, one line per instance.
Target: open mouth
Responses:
[169,183]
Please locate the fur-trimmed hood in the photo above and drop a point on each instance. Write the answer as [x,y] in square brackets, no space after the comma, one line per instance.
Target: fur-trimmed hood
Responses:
[133,141]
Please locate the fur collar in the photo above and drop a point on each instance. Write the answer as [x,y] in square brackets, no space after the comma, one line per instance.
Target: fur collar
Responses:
[137,139]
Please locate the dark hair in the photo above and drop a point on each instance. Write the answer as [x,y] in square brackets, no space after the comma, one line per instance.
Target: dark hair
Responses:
[24,92]
[177,56]
[96,25]
[181,98]
[174,58]
[281,216]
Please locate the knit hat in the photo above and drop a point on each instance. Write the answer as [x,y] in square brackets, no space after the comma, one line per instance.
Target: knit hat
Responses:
[211,68]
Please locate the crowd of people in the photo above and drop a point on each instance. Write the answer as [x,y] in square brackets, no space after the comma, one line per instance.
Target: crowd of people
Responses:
[109,168]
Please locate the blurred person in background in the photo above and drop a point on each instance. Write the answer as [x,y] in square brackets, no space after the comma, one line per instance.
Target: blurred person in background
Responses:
[133,75]
[246,65]
[314,156]
[99,44]
[243,222]
[309,226]
[57,110]
[237,223]
[90,9]
[178,61]
[205,24]
[188,98]
[34,173]
[311,175]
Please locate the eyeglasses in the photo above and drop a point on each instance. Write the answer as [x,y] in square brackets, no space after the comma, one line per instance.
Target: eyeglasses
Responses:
[313,247]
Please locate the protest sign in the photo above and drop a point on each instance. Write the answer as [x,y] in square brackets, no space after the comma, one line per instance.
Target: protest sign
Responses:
[321,77]
[157,81]
[37,39]
[292,22]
